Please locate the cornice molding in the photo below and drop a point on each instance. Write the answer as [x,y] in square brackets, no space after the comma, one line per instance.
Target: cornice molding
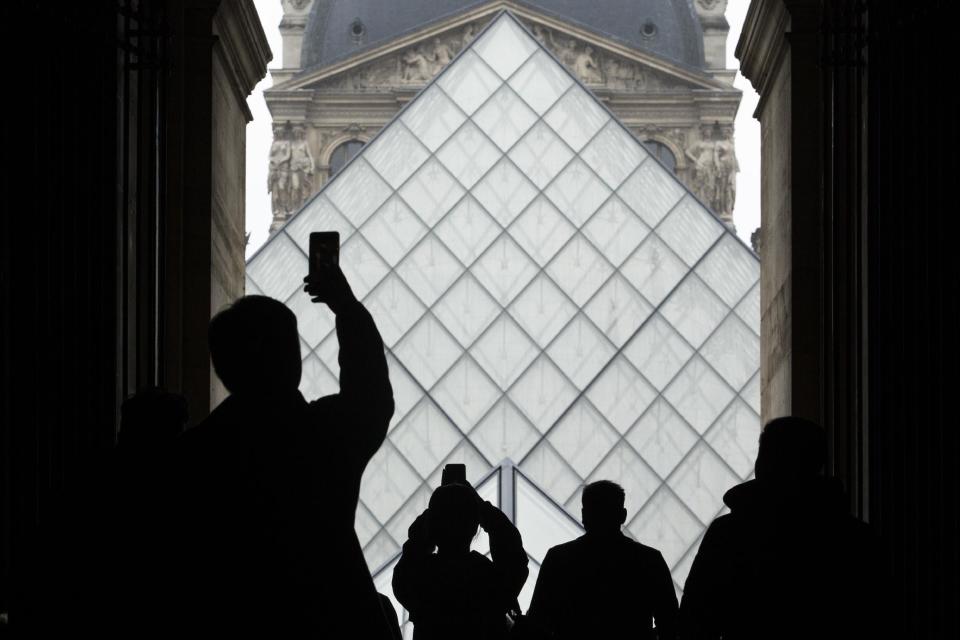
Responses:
[763,43]
[243,47]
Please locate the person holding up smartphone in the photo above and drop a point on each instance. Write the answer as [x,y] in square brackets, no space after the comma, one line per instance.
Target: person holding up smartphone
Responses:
[270,480]
[456,592]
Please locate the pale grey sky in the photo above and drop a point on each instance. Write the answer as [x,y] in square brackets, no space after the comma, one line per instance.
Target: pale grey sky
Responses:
[746,213]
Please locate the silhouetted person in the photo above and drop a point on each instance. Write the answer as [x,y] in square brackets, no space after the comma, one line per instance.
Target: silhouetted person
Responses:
[787,561]
[393,621]
[456,592]
[603,584]
[271,482]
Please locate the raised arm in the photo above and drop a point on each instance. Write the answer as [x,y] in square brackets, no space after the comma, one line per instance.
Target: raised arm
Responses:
[365,402]
[506,549]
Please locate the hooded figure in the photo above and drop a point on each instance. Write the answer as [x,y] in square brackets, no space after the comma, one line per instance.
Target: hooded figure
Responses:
[787,561]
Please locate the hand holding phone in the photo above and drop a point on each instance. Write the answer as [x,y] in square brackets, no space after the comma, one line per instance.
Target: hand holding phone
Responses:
[325,281]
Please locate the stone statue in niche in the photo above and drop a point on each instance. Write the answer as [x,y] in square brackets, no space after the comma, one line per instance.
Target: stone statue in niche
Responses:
[301,169]
[278,176]
[585,65]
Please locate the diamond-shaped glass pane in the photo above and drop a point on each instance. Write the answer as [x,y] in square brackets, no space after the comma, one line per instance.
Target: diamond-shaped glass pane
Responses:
[465,454]
[430,269]
[730,270]
[625,467]
[395,154]
[505,117]
[406,391]
[425,437]
[578,192]
[314,320]
[614,154]
[427,351]
[469,82]
[465,393]
[618,310]
[615,230]
[504,192]
[317,215]
[548,470]
[694,310]
[329,353]
[394,308]
[698,394]
[504,351]
[504,269]
[541,230]
[620,394]
[579,269]
[279,268]
[666,525]
[466,310]
[689,230]
[581,351]
[736,437]
[357,191]
[662,437]
[365,525]
[749,309]
[504,47]
[700,481]
[315,380]
[432,117]
[504,433]
[467,230]
[540,81]
[362,265]
[653,269]
[468,154]
[380,549]
[540,154]
[658,351]
[400,523]
[431,192]
[542,310]
[542,524]
[751,393]
[387,482]
[651,192]
[393,230]
[583,437]
[543,393]
[734,351]
[577,117]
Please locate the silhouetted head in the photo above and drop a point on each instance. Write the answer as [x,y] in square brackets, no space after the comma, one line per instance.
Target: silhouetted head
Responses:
[603,510]
[454,516]
[152,417]
[791,450]
[255,347]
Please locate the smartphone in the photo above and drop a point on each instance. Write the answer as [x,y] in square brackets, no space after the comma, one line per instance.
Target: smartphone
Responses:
[454,473]
[324,249]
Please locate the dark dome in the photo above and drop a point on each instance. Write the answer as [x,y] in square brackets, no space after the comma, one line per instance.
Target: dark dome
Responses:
[339,28]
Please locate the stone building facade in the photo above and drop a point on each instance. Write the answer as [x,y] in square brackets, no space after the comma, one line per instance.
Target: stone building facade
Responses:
[350,65]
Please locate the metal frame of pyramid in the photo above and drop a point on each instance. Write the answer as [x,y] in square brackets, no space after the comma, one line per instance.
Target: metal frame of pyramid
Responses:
[668,317]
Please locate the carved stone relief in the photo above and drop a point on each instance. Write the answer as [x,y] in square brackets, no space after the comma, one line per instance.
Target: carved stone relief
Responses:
[714,168]
[291,172]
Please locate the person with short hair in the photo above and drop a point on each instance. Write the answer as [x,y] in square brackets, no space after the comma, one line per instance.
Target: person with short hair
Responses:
[270,481]
[788,561]
[604,584]
[456,592]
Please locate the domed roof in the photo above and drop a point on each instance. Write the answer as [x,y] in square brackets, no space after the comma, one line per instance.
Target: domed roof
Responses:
[337,29]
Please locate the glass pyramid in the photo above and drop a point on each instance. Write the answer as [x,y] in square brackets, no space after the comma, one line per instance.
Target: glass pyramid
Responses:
[548,293]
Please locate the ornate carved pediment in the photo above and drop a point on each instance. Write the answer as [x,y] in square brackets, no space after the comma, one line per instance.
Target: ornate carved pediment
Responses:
[413,66]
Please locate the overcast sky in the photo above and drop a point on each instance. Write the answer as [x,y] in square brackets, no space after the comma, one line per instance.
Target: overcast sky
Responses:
[746,213]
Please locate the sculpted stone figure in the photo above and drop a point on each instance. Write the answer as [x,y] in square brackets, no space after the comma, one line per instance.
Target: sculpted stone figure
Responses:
[726,186]
[301,169]
[715,171]
[415,66]
[442,55]
[278,176]
[585,66]
[704,177]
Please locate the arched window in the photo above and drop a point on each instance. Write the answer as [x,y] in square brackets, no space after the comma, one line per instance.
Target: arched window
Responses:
[342,154]
[662,153]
